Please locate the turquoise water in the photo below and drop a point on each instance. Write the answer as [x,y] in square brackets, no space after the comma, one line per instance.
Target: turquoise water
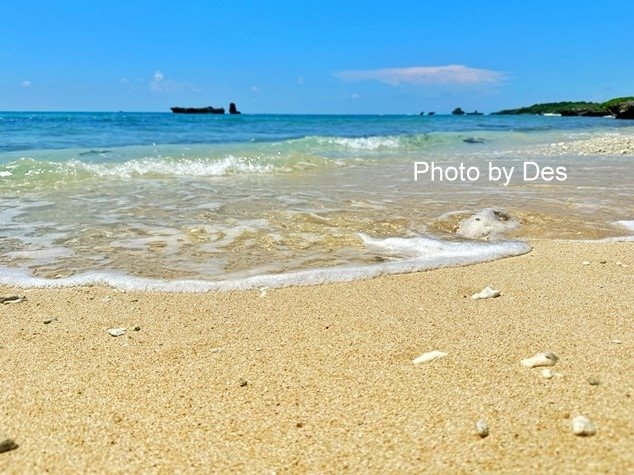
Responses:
[206,198]
[23,131]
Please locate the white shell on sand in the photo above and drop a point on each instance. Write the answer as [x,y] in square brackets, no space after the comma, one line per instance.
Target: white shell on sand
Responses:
[486,293]
[6,299]
[482,428]
[581,425]
[586,263]
[541,359]
[429,356]
[116,331]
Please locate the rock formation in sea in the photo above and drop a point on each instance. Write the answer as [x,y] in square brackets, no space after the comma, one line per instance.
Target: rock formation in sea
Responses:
[623,110]
[457,111]
[233,109]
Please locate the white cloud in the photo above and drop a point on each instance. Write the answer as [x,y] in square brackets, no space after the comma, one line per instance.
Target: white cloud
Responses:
[156,84]
[160,84]
[25,84]
[255,89]
[424,75]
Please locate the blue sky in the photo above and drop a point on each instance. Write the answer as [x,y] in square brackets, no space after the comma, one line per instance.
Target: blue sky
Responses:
[312,56]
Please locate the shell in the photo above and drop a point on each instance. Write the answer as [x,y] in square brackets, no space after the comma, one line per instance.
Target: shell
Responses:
[6,299]
[486,293]
[482,428]
[116,331]
[583,426]
[541,359]
[429,356]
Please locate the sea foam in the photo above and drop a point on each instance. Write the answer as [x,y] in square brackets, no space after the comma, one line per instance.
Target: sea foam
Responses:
[411,255]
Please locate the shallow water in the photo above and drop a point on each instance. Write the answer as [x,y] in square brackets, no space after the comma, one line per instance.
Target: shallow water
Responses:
[208,198]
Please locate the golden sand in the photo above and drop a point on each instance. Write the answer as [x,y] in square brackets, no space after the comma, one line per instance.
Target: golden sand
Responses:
[330,386]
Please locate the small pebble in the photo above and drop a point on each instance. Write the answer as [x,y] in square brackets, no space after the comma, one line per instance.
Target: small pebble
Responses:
[116,331]
[486,293]
[583,426]
[549,374]
[482,428]
[617,342]
[242,382]
[48,320]
[586,263]
[603,262]
[541,359]
[6,299]
[592,381]
[429,356]
[137,328]
[216,350]
[7,445]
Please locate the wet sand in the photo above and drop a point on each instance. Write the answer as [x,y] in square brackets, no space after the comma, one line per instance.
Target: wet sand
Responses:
[319,379]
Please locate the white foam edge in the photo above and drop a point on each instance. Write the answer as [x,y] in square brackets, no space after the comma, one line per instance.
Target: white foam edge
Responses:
[444,254]
[627,225]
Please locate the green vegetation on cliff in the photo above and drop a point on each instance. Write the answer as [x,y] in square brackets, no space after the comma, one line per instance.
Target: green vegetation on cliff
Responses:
[571,108]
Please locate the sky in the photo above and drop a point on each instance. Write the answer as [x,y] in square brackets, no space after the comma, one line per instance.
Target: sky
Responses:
[317,57]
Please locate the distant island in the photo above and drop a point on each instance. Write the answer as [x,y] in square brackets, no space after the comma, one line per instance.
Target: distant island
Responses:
[205,110]
[198,110]
[620,108]
[459,111]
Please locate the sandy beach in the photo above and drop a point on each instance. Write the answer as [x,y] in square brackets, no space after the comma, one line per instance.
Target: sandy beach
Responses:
[320,379]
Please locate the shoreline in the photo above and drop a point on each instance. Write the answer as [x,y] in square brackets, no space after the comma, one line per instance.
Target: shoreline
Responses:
[329,383]
[444,254]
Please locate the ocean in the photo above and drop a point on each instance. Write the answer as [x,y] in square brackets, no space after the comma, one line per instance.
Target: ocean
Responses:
[162,201]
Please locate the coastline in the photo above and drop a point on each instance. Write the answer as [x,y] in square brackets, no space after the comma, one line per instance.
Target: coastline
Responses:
[93,208]
[329,381]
